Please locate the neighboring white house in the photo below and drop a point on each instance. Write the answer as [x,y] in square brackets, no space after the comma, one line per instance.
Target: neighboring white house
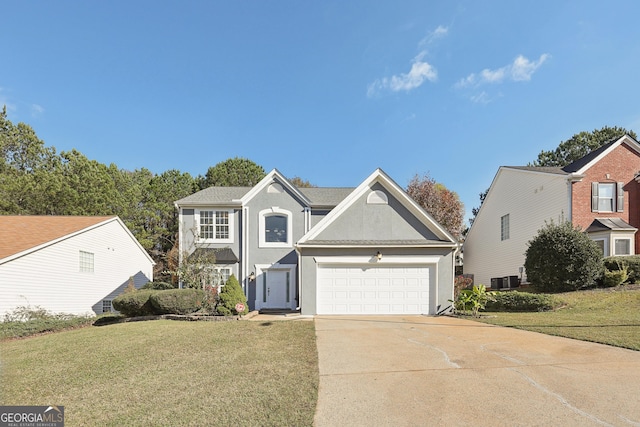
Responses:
[600,193]
[68,264]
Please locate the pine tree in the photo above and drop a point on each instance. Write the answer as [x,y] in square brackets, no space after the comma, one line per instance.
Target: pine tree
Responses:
[230,295]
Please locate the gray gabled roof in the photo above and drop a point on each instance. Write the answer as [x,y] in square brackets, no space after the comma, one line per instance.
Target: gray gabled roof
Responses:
[319,196]
[326,196]
[544,169]
[215,195]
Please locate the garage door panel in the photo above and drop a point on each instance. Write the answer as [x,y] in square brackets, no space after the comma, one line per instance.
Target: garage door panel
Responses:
[365,289]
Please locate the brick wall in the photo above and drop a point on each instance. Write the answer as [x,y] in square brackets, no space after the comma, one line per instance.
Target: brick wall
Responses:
[621,165]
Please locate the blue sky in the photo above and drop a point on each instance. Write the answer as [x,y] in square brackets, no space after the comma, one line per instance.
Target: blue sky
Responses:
[327,90]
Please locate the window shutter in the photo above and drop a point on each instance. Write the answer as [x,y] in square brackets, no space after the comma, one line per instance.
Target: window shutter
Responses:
[594,197]
[620,194]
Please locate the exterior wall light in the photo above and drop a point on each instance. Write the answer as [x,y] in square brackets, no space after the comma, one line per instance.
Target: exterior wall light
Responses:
[379,255]
[252,276]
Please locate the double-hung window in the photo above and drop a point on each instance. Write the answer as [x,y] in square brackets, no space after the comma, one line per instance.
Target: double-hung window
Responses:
[216,225]
[607,197]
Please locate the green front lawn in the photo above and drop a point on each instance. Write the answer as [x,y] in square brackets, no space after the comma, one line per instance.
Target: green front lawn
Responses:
[608,316]
[165,373]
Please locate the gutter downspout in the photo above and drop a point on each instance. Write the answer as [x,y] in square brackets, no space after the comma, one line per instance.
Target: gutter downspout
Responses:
[299,308]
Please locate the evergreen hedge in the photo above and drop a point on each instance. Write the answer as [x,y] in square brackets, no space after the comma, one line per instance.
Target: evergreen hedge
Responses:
[136,303]
[177,301]
[632,262]
[522,301]
[230,295]
[562,258]
[158,286]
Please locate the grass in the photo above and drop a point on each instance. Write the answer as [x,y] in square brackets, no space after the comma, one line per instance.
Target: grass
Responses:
[608,316]
[165,373]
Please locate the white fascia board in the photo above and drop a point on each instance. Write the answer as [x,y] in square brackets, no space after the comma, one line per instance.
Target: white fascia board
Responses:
[386,260]
[450,245]
[270,177]
[379,176]
[195,204]
[631,143]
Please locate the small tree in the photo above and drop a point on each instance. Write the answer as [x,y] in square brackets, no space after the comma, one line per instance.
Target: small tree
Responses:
[230,295]
[562,258]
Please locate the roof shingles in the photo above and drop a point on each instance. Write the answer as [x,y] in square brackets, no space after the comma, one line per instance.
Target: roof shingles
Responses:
[20,233]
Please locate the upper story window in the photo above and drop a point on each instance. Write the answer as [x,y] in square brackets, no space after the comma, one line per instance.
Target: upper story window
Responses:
[504,227]
[215,225]
[607,197]
[86,262]
[275,228]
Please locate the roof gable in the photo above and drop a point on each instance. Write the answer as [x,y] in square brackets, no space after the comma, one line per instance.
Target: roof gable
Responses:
[24,234]
[378,179]
[581,165]
[274,176]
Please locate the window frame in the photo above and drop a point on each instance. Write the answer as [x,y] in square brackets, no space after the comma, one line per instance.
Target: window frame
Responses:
[86,262]
[615,248]
[616,199]
[214,225]
[504,227]
[262,238]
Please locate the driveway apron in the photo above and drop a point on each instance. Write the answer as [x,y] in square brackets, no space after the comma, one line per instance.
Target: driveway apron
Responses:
[424,371]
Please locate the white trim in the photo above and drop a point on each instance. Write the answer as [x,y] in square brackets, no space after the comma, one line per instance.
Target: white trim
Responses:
[271,177]
[231,225]
[260,269]
[262,215]
[378,176]
[633,144]
[386,260]
[75,233]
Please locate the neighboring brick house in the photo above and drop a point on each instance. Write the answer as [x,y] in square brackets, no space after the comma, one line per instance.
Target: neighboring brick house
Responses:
[599,193]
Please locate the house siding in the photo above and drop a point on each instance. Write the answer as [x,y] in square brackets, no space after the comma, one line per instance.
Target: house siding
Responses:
[363,221]
[530,199]
[50,277]
[621,165]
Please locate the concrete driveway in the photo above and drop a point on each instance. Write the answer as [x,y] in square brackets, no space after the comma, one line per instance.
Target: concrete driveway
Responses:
[432,371]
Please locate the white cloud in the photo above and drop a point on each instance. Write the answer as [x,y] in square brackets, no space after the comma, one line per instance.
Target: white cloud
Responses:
[36,110]
[434,35]
[420,72]
[521,69]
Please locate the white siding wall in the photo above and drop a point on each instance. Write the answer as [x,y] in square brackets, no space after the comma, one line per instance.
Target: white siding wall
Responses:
[530,199]
[51,277]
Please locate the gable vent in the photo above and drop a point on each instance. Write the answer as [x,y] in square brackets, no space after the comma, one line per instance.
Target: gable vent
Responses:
[377,198]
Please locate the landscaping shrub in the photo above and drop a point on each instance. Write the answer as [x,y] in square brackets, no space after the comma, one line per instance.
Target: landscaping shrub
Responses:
[177,301]
[562,258]
[24,321]
[522,301]
[135,303]
[614,278]
[632,262]
[158,286]
[474,299]
[230,295]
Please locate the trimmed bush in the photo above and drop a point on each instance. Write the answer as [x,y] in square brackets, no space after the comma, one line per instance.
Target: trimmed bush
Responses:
[632,262]
[522,301]
[230,295]
[158,286]
[177,301]
[562,258]
[135,303]
[614,278]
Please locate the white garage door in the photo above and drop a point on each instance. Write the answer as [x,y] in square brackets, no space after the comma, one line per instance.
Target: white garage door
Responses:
[367,289]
